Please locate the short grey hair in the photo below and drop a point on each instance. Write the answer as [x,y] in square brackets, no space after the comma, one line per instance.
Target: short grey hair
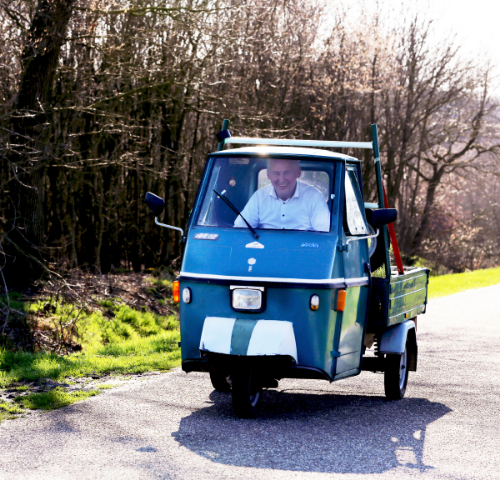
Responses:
[269,160]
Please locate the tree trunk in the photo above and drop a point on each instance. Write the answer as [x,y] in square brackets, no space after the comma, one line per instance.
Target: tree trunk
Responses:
[29,142]
[427,213]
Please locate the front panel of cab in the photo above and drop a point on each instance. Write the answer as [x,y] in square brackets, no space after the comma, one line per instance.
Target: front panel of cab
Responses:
[278,254]
[313,330]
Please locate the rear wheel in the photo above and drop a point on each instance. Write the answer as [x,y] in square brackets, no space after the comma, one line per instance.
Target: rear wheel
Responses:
[219,382]
[396,375]
[246,392]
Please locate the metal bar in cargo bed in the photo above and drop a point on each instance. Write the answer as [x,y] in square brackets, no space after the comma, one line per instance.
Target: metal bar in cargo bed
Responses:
[403,316]
[380,190]
[409,282]
[406,301]
[297,143]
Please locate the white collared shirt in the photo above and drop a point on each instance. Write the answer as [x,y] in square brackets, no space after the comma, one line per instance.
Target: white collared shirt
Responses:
[305,210]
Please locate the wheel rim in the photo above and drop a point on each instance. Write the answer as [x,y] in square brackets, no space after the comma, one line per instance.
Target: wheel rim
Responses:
[402,370]
[254,399]
[254,393]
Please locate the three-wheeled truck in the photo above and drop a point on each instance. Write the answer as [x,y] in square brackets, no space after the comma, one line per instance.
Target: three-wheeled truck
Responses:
[259,303]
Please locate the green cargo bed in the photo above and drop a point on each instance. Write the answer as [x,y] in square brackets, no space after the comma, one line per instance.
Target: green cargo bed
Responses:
[397,299]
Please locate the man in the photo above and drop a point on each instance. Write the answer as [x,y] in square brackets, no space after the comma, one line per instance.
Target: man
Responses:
[286,203]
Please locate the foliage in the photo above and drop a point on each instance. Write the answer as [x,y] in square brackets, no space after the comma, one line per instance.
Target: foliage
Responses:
[463,233]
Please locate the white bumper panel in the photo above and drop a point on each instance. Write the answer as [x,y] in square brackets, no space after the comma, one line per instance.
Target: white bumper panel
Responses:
[273,337]
[216,334]
[248,337]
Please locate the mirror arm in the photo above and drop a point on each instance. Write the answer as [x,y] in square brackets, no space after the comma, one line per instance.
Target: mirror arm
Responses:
[169,226]
[351,239]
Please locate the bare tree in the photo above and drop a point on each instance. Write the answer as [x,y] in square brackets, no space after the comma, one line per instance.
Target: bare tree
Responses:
[131,94]
[29,150]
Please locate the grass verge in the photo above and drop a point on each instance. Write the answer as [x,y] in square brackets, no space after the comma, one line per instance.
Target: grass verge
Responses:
[115,339]
[158,352]
[155,353]
[459,282]
[54,399]
[9,411]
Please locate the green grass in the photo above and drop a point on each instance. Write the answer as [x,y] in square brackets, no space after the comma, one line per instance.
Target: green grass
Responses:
[54,399]
[160,287]
[116,340]
[105,386]
[9,411]
[157,352]
[153,353]
[459,282]
[127,324]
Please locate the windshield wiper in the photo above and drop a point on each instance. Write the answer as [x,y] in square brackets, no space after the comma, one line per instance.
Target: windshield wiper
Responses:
[235,210]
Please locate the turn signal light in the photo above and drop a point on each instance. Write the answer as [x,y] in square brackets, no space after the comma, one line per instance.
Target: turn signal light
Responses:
[341,296]
[314,302]
[176,291]
[186,295]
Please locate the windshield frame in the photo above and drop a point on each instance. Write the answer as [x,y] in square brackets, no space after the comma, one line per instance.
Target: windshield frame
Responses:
[333,203]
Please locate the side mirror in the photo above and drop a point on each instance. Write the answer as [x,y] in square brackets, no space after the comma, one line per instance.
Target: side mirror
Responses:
[221,136]
[383,216]
[155,203]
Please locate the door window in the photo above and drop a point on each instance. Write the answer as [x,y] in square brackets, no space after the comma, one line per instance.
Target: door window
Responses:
[355,207]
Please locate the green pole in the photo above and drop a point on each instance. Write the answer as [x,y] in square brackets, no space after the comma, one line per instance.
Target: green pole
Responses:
[378,174]
[225,124]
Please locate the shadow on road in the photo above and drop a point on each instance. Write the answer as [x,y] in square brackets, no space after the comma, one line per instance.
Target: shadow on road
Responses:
[314,432]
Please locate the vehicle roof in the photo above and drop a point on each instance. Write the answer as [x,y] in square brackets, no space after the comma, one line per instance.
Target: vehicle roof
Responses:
[272,151]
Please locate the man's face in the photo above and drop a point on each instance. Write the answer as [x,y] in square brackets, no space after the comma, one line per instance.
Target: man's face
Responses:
[283,175]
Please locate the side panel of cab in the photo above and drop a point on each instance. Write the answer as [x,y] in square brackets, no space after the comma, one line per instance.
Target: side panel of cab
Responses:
[355,261]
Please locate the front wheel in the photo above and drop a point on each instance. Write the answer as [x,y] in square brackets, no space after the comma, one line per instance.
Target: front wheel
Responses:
[246,392]
[396,375]
[219,382]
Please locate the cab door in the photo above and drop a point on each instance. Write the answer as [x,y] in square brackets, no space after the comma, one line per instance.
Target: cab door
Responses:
[356,274]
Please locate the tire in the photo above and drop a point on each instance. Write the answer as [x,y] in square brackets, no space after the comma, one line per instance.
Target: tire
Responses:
[246,393]
[396,375]
[219,382]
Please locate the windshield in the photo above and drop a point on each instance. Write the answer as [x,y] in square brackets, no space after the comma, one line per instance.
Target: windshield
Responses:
[278,194]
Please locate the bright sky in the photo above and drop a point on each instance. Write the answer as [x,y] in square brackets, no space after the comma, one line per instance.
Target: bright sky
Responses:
[476,22]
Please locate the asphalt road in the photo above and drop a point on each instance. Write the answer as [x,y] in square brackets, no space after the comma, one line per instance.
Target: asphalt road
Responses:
[175,426]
